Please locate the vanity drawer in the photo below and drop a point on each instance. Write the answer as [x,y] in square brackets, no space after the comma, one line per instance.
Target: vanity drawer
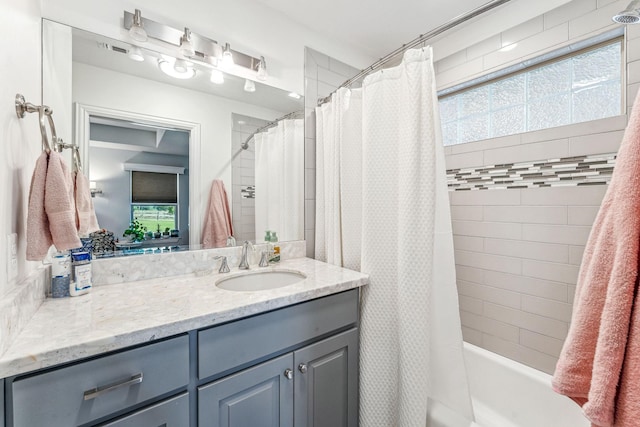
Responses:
[87,391]
[169,413]
[222,348]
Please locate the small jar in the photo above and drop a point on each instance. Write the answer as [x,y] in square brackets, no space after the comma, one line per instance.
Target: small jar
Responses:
[60,275]
[81,274]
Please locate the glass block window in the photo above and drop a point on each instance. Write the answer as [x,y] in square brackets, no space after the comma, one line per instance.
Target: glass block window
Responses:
[582,86]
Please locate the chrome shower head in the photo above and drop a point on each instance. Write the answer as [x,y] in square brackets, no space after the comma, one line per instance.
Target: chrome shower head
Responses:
[631,15]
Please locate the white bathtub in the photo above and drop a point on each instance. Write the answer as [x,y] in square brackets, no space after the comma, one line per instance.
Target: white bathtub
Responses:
[508,394]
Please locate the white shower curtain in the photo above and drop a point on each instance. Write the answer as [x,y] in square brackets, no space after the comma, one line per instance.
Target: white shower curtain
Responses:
[279,162]
[382,205]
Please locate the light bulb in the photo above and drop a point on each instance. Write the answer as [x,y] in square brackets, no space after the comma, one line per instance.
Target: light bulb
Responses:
[249,86]
[135,53]
[217,77]
[295,95]
[186,48]
[137,32]
[181,66]
[262,69]
[169,69]
[227,56]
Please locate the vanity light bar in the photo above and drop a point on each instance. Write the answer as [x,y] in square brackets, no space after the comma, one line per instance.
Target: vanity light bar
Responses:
[205,48]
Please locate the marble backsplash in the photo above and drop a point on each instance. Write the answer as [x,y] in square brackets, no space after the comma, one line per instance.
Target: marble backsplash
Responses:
[140,267]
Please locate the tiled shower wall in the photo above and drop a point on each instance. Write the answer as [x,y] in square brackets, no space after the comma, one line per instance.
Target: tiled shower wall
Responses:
[518,250]
[322,75]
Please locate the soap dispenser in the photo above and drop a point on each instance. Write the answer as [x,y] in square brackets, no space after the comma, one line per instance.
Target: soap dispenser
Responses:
[276,248]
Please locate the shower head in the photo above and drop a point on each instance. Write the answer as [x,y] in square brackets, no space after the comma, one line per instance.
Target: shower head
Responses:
[631,15]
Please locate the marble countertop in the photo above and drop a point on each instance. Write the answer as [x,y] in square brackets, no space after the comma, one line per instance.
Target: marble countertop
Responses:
[121,315]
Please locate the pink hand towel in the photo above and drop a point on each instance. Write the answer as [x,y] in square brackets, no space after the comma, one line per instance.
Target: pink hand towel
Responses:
[59,204]
[217,222]
[86,220]
[599,366]
[38,235]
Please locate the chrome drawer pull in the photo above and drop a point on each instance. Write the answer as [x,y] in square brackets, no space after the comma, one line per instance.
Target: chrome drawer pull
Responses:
[98,391]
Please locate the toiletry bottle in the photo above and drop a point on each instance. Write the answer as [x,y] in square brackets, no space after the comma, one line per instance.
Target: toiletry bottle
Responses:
[81,274]
[60,274]
[267,239]
[276,248]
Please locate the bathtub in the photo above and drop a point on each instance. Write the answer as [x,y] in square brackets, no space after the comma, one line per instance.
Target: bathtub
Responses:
[508,394]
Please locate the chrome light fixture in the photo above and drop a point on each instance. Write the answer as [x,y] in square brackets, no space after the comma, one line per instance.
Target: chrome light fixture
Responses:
[186,47]
[262,69]
[169,69]
[137,32]
[249,86]
[217,77]
[135,53]
[227,56]
[181,66]
[631,15]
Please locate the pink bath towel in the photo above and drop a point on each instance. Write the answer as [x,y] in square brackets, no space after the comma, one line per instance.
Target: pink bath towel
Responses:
[38,235]
[59,204]
[86,221]
[217,222]
[599,366]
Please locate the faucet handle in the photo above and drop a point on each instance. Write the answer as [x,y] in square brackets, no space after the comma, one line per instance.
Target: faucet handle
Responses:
[264,259]
[224,265]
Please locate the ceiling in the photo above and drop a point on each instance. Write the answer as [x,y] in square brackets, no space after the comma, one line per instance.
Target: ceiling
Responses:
[376,27]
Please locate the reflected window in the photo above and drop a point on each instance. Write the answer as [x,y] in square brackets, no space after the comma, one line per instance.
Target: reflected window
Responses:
[154,200]
[582,86]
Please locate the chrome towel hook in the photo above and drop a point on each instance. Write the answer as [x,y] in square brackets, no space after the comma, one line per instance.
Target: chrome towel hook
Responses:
[45,114]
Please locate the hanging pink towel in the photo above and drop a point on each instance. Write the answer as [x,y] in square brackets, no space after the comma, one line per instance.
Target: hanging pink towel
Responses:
[86,220]
[38,235]
[217,222]
[59,204]
[599,366]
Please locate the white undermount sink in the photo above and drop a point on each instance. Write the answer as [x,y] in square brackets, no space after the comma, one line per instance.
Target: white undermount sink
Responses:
[260,280]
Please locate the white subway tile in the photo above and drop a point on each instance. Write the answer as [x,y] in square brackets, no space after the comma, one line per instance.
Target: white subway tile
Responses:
[632,93]
[526,214]
[491,44]
[489,326]
[310,239]
[535,151]
[523,31]
[575,254]
[460,73]
[546,307]
[527,356]
[466,213]
[485,144]
[582,215]
[533,322]
[485,198]
[309,183]
[341,68]
[565,273]
[487,293]
[599,143]
[602,3]
[633,31]
[330,77]
[309,214]
[466,160]
[593,22]
[529,250]
[457,59]
[472,336]
[568,12]
[468,243]
[472,305]
[499,230]
[563,234]
[526,285]
[310,153]
[532,46]
[633,46]
[572,294]
[469,274]
[586,128]
[539,342]
[489,262]
[564,196]
[633,72]
[325,89]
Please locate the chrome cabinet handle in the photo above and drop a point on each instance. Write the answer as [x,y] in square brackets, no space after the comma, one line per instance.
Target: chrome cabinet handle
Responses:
[98,391]
[302,368]
[288,373]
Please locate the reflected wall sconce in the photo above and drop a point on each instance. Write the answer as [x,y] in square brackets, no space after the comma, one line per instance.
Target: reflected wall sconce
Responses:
[176,70]
[249,86]
[262,69]
[186,47]
[137,31]
[93,186]
[135,53]
[227,56]
[217,77]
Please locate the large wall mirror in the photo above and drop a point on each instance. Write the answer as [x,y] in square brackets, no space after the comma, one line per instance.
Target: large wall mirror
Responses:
[153,142]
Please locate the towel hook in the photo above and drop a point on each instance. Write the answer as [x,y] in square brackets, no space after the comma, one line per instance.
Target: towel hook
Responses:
[23,107]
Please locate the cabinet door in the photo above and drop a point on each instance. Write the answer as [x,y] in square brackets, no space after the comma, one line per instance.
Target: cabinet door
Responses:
[326,385]
[170,413]
[261,396]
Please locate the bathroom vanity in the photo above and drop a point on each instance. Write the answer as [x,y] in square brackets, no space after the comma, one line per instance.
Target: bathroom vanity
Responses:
[282,357]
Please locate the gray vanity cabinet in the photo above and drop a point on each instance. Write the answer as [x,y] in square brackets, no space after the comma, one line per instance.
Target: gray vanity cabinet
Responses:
[261,396]
[1,403]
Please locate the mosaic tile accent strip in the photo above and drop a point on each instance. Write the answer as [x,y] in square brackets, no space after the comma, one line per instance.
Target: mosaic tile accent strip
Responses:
[248,192]
[567,171]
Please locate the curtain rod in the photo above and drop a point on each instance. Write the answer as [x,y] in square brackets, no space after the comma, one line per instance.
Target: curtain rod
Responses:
[245,144]
[416,42]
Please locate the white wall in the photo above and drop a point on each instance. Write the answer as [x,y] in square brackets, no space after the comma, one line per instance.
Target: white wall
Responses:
[109,89]
[249,26]
[20,139]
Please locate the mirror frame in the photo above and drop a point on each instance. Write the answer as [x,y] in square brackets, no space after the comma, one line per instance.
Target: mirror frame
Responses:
[81,129]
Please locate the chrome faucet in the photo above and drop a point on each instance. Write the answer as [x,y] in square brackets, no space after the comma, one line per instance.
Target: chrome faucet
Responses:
[244,262]
[224,266]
